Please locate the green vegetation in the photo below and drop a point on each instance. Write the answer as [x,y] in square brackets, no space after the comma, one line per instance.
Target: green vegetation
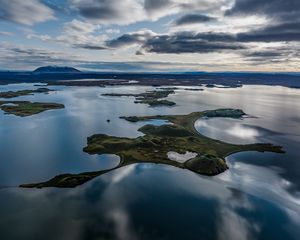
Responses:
[225,113]
[157,103]
[152,98]
[157,141]
[207,164]
[26,108]
[12,94]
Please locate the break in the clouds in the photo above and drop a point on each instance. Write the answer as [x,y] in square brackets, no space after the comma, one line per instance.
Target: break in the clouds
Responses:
[236,34]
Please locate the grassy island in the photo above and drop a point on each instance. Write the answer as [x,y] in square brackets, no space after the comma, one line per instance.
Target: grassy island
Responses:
[13,94]
[157,141]
[27,108]
[152,98]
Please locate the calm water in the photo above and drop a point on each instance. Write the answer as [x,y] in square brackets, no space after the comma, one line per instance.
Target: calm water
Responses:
[258,198]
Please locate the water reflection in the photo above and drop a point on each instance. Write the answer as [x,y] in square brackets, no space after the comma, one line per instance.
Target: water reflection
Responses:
[263,182]
[149,201]
[232,130]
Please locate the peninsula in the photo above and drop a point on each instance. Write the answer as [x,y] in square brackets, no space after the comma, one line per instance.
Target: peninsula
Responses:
[153,147]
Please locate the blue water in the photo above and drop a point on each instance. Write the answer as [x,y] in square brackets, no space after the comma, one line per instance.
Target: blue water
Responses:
[257,198]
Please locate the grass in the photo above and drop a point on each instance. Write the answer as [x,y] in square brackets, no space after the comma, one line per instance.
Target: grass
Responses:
[27,108]
[157,142]
[12,94]
[152,98]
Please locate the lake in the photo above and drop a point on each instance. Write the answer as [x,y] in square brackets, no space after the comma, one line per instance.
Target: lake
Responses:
[257,198]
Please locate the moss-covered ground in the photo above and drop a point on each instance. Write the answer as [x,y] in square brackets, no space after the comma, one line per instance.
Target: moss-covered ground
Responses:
[13,94]
[27,108]
[152,98]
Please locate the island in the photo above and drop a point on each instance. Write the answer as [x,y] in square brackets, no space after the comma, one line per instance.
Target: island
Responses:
[27,108]
[152,98]
[210,85]
[194,89]
[56,69]
[13,94]
[180,136]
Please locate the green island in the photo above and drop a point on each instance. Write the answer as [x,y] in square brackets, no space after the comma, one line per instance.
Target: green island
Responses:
[152,98]
[179,136]
[13,94]
[27,108]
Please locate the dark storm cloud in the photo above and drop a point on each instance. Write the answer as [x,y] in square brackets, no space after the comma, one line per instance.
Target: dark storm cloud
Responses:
[182,42]
[153,5]
[283,15]
[282,54]
[190,42]
[275,8]
[124,40]
[282,32]
[109,11]
[129,39]
[273,33]
[186,43]
[192,19]
[89,46]
[265,54]
[132,11]
[104,10]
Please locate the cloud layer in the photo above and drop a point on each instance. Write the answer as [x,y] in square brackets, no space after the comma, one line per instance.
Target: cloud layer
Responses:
[235,32]
[25,12]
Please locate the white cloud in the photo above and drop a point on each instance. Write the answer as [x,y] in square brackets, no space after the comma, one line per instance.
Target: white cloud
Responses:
[131,11]
[4,33]
[78,34]
[112,31]
[26,12]
[110,11]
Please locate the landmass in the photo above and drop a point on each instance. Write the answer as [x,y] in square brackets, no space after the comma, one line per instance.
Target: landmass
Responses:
[13,94]
[150,79]
[194,89]
[152,98]
[224,86]
[153,147]
[56,69]
[27,108]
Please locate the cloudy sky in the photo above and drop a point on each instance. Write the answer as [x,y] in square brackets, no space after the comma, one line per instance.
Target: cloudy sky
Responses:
[151,35]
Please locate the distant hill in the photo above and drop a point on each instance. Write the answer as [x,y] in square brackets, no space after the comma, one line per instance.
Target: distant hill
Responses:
[56,69]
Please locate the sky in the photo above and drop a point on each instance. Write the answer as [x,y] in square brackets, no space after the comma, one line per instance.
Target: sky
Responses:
[151,35]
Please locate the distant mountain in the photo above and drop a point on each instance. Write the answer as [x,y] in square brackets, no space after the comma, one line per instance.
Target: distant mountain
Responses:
[56,69]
